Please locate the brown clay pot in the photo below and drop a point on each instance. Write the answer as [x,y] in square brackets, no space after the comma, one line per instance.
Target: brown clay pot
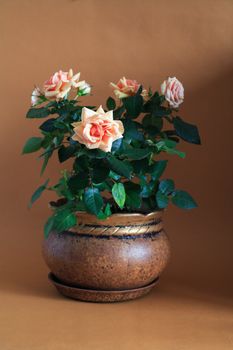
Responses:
[124,253]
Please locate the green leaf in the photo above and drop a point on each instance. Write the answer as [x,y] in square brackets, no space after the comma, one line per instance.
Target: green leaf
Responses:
[111,104]
[104,186]
[117,113]
[107,210]
[41,112]
[160,111]
[64,219]
[118,193]
[48,125]
[183,200]
[140,166]
[133,199]
[93,200]
[106,213]
[38,192]
[166,186]
[65,153]
[48,226]
[175,151]
[99,174]
[131,130]
[116,145]
[186,131]
[52,104]
[150,121]
[78,182]
[168,146]
[61,188]
[132,186]
[46,156]
[80,206]
[165,143]
[147,189]
[93,153]
[102,215]
[81,164]
[119,167]
[32,145]
[133,105]
[137,153]
[153,106]
[47,140]
[157,169]
[114,176]
[161,200]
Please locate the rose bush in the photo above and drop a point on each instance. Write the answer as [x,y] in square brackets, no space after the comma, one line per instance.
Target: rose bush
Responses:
[116,150]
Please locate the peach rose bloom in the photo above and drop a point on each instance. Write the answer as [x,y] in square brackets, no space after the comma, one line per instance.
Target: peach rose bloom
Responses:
[173,91]
[60,84]
[97,129]
[125,87]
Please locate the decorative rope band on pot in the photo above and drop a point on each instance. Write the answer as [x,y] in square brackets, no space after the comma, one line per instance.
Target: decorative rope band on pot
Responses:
[117,230]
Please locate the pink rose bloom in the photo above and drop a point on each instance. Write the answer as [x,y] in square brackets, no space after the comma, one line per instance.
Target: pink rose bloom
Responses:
[97,129]
[173,91]
[60,84]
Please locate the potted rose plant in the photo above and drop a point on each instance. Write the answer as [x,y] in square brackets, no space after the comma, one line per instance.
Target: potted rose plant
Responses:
[105,240]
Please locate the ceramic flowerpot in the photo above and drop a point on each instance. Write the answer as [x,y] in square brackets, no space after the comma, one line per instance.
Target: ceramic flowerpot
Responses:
[116,259]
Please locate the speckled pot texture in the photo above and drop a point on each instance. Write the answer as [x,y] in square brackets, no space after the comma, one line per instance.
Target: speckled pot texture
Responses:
[122,253]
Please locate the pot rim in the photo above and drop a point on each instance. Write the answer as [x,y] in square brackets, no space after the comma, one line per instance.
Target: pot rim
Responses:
[142,215]
[119,224]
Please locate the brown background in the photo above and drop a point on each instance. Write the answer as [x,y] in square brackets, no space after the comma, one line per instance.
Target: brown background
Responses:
[105,39]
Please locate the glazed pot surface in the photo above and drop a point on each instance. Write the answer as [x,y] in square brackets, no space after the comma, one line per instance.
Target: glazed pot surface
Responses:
[125,251]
